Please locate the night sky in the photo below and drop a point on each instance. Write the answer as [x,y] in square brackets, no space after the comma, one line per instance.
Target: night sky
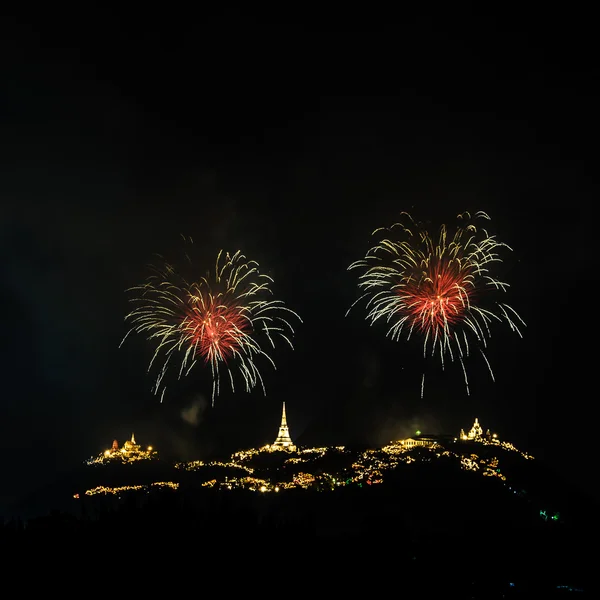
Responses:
[291,143]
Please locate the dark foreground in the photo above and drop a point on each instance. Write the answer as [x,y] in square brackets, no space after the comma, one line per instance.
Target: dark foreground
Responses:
[369,541]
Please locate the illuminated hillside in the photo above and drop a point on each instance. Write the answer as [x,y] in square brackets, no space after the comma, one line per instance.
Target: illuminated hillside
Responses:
[276,468]
[268,470]
[472,498]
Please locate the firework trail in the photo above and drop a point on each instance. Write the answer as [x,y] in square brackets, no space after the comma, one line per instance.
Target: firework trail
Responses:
[435,287]
[224,320]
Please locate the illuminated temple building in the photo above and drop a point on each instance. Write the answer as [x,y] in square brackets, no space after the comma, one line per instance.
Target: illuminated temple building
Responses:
[130,445]
[283,441]
[420,440]
[476,434]
[129,452]
[431,440]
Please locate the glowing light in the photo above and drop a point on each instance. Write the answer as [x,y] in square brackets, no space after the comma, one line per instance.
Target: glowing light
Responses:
[115,491]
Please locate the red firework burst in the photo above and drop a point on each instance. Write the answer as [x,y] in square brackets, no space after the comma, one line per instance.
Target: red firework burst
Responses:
[226,319]
[438,298]
[434,287]
[215,327]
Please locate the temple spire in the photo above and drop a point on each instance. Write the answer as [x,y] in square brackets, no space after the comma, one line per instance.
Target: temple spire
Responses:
[476,431]
[283,441]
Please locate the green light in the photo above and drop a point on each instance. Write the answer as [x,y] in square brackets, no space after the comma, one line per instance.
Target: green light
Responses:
[417,432]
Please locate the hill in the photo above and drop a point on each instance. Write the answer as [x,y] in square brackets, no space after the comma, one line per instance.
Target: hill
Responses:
[478,510]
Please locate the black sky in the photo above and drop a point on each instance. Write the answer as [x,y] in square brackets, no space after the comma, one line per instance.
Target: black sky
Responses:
[291,142]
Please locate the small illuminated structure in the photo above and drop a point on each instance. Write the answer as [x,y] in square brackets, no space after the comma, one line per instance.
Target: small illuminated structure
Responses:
[475,434]
[130,452]
[424,441]
[283,441]
[131,446]
[476,431]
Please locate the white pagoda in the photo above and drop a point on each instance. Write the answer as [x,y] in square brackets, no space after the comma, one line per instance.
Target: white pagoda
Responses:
[283,441]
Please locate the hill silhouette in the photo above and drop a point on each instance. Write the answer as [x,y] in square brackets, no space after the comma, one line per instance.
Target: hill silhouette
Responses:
[470,513]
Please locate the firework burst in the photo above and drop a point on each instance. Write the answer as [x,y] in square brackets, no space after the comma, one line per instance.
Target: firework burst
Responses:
[436,287]
[224,320]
